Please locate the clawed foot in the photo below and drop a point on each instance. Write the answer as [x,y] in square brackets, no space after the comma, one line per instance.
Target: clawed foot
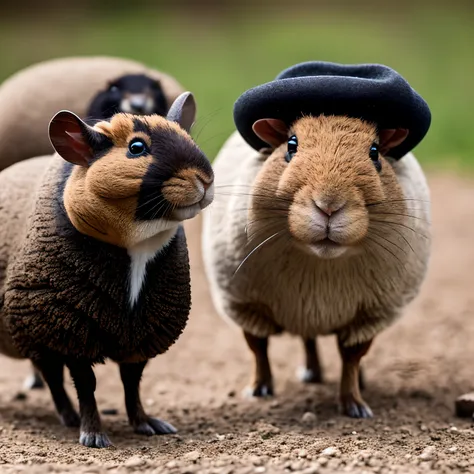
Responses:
[309,376]
[95,440]
[70,419]
[154,426]
[355,409]
[259,390]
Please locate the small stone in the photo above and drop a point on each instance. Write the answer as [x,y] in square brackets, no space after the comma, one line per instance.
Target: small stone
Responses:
[275,404]
[171,464]
[302,453]
[423,427]
[387,429]
[308,418]
[331,452]
[453,429]
[134,461]
[296,466]
[465,405]
[428,454]
[260,469]
[193,456]
[220,437]
[322,461]
[452,449]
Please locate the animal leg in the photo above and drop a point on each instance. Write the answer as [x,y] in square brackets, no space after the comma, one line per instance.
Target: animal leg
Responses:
[52,370]
[262,383]
[131,374]
[351,401]
[312,372]
[91,434]
[34,380]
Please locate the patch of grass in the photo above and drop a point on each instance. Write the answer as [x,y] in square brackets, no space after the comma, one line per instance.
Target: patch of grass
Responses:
[219,59]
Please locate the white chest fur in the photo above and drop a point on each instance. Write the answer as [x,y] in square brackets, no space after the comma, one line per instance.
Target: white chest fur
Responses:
[142,253]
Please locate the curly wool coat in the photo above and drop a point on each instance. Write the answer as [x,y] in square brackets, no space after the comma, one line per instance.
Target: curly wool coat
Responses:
[64,292]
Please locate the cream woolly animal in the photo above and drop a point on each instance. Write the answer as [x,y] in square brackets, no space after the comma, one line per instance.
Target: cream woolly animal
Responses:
[29,98]
[321,234]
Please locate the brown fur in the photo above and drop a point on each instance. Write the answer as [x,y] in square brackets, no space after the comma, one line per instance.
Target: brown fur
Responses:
[101,201]
[322,244]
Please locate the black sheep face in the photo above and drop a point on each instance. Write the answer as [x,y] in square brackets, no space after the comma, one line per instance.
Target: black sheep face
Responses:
[135,94]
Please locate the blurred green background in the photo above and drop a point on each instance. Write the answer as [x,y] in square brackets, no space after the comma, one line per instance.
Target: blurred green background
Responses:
[219,49]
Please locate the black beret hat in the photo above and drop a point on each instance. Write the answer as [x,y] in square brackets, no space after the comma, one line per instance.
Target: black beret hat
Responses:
[371,92]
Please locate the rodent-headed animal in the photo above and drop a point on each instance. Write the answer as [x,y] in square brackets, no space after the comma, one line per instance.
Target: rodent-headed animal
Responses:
[30,97]
[133,93]
[323,232]
[94,262]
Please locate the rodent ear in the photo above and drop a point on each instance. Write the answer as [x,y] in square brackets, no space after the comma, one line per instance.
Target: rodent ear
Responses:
[390,138]
[72,138]
[183,111]
[271,131]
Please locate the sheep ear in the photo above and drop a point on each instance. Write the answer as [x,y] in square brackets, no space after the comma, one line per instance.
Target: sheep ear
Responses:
[72,138]
[390,138]
[183,111]
[271,131]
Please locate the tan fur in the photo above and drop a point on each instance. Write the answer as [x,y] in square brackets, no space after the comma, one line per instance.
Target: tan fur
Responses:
[101,200]
[383,253]
[31,97]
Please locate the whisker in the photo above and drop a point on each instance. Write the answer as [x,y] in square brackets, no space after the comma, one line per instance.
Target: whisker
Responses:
[385,248]
[255,249]
[402,225]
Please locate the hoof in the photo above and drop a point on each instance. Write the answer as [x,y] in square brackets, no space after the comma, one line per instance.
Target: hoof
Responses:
[355,409]
[95,440]
[33,382]
[309,376]
[154,426]
[258,391]
[70,419]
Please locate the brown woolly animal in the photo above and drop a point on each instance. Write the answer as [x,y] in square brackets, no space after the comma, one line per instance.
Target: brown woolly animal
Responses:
[321,235]
[29,98]
[93,260]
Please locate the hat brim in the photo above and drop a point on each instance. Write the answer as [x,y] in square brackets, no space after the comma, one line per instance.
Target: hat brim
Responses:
[371,92]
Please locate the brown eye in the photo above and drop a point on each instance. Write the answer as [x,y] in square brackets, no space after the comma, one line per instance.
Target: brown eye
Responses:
[137,148]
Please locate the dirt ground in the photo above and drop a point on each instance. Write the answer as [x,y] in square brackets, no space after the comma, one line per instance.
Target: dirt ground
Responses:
[414,372]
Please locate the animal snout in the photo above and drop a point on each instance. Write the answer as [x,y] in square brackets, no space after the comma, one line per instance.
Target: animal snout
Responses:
[328,208]
[138,103]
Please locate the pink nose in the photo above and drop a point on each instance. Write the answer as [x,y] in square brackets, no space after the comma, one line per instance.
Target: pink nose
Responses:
[328,208]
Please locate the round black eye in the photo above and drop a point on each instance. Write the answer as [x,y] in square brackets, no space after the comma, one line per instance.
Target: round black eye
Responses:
[113,89]
[292,148]
[137,148]
[374,156]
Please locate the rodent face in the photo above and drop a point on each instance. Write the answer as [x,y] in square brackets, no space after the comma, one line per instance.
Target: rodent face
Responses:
[326,184]
[145,175]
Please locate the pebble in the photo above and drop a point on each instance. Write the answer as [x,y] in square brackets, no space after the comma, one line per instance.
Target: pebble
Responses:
[308,418]
[465,405]
[260,469]
[331,452]
[323,461]
[171,464]
[193,456]
[428,454]
[452,449]
[302,453]
[134,461]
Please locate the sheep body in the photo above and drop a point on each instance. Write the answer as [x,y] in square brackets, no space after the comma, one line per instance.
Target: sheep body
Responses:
[60,269]
[29,98]
[280,289]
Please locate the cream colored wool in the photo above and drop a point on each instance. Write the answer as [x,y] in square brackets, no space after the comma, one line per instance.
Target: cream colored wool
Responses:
[31,97]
